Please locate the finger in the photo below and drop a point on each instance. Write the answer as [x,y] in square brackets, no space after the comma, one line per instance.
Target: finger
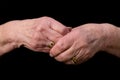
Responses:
[67,55]
[75,63]
[57,26]
[79,58]
[38,48]
[52,35]
[36,45]
[63,44]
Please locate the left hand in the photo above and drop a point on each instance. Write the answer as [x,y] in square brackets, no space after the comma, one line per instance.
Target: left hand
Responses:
[37,34]
[80,44]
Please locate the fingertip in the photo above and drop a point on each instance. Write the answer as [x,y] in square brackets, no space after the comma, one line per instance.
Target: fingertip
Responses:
[51,53]
[55,50]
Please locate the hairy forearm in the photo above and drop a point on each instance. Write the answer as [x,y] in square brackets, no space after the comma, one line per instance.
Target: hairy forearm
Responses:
[113,39]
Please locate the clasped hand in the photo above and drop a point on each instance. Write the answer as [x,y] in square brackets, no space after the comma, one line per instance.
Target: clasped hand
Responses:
[71,46]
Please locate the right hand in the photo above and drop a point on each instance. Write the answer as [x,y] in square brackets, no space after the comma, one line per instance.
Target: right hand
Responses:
[81,44]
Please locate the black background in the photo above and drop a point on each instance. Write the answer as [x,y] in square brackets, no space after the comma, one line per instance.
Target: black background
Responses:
[23,62]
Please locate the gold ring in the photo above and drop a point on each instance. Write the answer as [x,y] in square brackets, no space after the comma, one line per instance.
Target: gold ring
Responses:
[74,60]
[51,44]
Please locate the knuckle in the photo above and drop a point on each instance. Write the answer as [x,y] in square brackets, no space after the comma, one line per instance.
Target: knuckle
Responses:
[45,18]
[41,29]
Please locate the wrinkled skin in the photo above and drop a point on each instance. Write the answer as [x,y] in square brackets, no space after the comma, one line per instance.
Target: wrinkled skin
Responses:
[34,34]
[82,43]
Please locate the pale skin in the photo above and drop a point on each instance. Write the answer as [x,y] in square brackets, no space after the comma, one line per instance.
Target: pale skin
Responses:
[34,34]
[84,41]
[81,43]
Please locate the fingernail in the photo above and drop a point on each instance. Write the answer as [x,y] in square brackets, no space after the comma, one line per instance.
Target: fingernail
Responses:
[51,55]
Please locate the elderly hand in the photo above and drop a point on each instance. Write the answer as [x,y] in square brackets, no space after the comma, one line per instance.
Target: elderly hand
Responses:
[36,34]
[80,44]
